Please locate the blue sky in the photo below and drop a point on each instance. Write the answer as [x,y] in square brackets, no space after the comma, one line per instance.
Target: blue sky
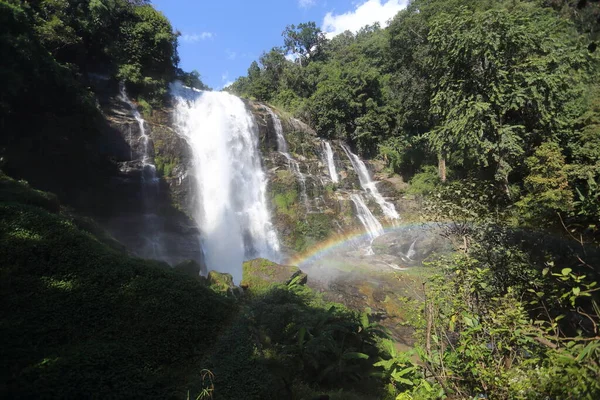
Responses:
[220,38]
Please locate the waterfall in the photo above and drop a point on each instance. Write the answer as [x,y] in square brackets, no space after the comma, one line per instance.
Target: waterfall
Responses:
[293,165]
[330,164]
[374,228]
[369,186]
[231,208]
[152,230]
[282,146]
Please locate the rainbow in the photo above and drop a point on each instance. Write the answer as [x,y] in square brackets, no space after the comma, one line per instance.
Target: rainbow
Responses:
[337,241]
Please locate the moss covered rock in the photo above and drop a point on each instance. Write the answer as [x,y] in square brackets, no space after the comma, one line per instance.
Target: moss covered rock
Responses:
[222,283]
[260,274]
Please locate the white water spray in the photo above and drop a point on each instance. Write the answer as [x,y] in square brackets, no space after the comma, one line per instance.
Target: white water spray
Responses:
[369,185]
[330,163]
[231,207]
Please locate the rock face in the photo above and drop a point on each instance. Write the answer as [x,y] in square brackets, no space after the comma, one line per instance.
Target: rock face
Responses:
[310,208]
[307,206]
[151,219]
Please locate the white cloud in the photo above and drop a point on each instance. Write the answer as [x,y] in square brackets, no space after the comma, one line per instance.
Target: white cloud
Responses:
[196,37]
[231,55]
[306,3]
[366,13]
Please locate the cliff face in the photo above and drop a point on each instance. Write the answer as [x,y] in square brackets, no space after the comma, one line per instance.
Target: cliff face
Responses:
[310,208]
[306,205]
[151,217]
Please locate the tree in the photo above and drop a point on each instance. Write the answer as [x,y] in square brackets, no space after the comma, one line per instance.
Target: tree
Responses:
[547,185]
[148,55]
[505,80]
[306,39]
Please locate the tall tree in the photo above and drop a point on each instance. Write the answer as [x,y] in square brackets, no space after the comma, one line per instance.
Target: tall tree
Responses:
[504,82]
[306,40]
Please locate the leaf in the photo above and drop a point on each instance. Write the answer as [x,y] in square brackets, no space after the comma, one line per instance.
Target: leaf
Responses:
[364,320]
[355,356]
[566,271]
[576,291]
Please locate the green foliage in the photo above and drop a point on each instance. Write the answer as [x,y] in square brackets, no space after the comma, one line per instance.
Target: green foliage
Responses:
[588,205]
[191,79]
[289,335]
[147,54]
[165,165]
[12,191]
[51,50]
[75,309]
[504,316]
[305,40]
[548,190]
[509,342]
[479,84]
[405,377]
[506,78]
[425,182]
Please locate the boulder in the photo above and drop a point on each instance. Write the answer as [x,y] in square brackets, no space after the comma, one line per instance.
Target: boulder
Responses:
[261,274]
[222,282]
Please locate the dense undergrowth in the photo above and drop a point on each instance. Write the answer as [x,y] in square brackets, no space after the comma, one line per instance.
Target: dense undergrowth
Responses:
[81,318]
[512,314]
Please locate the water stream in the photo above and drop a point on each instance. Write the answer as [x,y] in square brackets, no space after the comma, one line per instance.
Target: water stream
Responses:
[293,165]
[152,247]
[330,162]
[369,185]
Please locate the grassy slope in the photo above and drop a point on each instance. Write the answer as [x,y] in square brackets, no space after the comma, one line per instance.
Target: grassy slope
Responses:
[79,319]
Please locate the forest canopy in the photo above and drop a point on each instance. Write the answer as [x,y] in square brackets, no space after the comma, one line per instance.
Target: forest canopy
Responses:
[480,88]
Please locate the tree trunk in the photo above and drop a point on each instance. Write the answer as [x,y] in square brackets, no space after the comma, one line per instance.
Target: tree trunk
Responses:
[442,167]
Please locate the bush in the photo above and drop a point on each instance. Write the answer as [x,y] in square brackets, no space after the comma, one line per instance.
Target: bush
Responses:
[80,319]
[424,182]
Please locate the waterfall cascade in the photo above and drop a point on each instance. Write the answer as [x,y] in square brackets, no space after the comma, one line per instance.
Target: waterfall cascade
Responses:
[330,163]
[374,227]
[369,186]
[293,165]
[231,208]
[152,231]
[149,168]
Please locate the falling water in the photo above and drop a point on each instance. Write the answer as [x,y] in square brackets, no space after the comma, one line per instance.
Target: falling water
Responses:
[282,146]
[374,228]
[143,135]
[330,162]
[153,246]
[293,165]
[369,185]
[231,209]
